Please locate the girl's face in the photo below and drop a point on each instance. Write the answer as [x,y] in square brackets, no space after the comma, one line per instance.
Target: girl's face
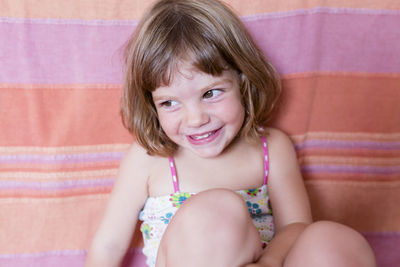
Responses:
[200,112]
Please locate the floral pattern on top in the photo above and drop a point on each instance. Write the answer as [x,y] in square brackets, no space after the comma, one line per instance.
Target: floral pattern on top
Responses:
[158,212]
[177,199]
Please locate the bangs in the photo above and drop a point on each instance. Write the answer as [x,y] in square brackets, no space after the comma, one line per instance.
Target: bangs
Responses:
[183,40]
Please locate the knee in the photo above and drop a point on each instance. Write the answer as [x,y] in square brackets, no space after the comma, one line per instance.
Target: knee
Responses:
[216,208]
[216,222]
[220,215]
[332,244]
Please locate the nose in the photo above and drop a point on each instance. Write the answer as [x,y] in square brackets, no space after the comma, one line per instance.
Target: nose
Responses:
[196,116]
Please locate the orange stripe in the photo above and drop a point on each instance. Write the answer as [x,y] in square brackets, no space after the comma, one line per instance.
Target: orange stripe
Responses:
[327,103]
[57,224]
[53,194]
[132,10]
[71,117]
[263,6]
[365,206]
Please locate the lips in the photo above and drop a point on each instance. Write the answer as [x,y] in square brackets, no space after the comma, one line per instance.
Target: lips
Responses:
[203,138]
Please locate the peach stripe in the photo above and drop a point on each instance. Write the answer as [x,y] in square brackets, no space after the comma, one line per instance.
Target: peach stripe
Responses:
[132,10]
[61,223]
[355,203]
[323,104]
[72,117]
[98,122]
[29,193]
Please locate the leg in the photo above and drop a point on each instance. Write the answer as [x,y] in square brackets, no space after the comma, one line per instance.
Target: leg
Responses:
[212,228]
[326,244]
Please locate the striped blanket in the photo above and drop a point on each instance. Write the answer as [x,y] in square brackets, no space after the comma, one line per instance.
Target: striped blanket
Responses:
[61,137]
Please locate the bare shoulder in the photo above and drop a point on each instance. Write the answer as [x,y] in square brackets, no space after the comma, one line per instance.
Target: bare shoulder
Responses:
[283,158]
[137,161]
[133,176]
[278,140]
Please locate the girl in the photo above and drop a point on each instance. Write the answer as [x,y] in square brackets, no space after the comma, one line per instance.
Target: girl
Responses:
[212,184]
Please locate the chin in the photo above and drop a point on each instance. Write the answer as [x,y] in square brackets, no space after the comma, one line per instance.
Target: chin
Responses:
[208,152]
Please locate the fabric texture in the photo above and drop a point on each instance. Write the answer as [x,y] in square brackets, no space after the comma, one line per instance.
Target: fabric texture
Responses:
[61,137]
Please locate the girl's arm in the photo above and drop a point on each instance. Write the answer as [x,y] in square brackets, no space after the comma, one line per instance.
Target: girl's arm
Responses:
[289,200]
[114,234]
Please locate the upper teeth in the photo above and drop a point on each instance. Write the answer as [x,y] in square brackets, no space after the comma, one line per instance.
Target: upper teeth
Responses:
[198,137]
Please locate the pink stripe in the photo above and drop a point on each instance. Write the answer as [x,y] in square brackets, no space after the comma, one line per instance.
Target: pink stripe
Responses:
[56,185]
[331,42]
[313,40]
[324,144]
[386,247]
[61,158]
[67,258]
[49,53]
[382,170]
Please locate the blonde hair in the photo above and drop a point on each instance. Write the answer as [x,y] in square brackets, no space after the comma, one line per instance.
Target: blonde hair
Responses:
[214,39]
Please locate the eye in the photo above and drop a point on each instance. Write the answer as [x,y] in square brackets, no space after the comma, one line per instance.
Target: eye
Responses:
[168,103]
[212,93]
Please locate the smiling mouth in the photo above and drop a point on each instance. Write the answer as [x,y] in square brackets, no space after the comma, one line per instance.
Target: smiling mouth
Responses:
[203,136]
[208,136]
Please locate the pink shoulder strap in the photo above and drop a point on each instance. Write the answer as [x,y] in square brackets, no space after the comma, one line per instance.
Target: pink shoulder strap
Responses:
[174,176]
[266,159]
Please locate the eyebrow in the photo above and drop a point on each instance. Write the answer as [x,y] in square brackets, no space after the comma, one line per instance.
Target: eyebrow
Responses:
[225,80]
[208,87]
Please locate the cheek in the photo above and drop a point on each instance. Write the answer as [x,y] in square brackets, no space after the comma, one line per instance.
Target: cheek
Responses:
[232,112]
[168,122]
